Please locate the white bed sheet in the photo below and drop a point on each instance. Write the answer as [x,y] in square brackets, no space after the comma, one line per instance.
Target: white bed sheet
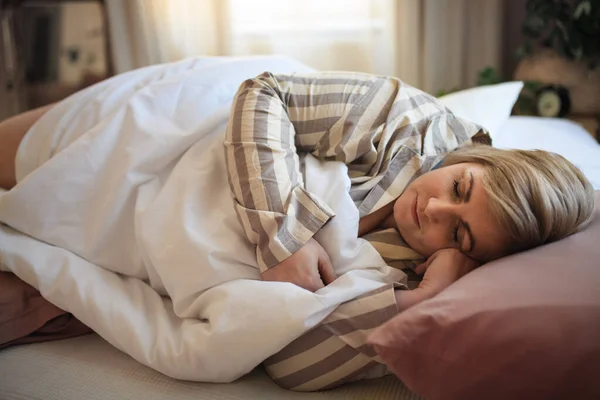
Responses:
[140,245]
[561,136]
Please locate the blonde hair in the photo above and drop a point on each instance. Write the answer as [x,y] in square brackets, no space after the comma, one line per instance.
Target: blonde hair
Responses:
[536,196]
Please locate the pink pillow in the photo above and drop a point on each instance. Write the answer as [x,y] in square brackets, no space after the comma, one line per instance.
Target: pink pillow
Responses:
[523,327]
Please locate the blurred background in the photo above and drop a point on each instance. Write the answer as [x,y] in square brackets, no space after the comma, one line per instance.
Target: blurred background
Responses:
[51,48]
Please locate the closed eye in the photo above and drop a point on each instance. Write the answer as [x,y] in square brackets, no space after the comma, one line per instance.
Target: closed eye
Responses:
[456,195]
[455,189]
[455,235]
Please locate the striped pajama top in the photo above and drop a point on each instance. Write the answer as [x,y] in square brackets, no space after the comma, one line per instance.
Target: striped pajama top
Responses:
[387,133]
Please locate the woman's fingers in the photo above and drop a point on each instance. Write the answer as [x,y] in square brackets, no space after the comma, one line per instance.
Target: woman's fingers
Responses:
[309,268]
[326,268]
[421,268]
[317,284]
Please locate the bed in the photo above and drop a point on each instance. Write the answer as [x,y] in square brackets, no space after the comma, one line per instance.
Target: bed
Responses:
[88,367]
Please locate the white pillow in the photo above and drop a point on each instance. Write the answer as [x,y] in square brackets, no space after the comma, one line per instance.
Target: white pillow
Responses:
[489,106]
[561,136]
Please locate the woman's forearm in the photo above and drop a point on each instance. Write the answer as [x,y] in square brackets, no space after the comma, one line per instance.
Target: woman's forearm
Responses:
[408,298]
[278,215]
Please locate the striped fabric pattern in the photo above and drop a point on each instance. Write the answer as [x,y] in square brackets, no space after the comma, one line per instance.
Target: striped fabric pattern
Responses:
[335,352]
[387,132]
[396,253]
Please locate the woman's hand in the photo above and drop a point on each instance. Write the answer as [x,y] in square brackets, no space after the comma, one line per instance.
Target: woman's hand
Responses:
[443,268]
[309,268]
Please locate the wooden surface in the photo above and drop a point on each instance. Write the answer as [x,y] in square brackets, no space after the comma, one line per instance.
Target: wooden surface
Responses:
[590,123]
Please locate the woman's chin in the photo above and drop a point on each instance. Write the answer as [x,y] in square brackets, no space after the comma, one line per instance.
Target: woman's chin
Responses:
[413,242]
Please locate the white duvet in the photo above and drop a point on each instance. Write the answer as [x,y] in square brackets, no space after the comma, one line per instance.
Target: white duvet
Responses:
[123,217]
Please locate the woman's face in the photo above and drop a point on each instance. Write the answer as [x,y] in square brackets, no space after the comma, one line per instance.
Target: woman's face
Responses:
[448,207]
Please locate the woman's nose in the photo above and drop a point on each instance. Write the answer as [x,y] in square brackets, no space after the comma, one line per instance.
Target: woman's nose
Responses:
[437,210]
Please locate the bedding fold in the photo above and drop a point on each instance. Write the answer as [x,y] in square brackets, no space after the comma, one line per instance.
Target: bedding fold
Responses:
[123,217]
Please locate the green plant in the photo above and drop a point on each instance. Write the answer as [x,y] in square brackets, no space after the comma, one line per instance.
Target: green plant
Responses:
[570,27]
[488,76]
[527,102]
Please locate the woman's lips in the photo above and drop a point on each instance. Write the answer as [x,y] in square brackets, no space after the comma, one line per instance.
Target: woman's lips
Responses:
[415,214]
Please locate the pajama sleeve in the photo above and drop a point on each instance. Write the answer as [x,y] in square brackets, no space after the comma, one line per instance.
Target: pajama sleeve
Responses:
[385,131]
[335,352]
[274,117]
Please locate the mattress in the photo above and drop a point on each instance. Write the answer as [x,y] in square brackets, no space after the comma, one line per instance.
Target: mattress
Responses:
[89,368]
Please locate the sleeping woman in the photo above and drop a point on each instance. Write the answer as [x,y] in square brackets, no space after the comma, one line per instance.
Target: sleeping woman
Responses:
[432,194]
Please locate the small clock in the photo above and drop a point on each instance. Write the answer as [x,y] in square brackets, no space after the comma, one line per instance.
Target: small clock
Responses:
[553,101]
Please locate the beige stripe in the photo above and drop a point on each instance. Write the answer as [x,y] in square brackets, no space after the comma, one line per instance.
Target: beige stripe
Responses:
[367,149]
[381,95]
[375,292]
[369,371]
[373,301]
[367,320]
[268,151]
[369,116]
[240,172]
[411,98]
[270,227]
[308,141]
[389,236]
[271,136]
[423,112]
[304,343]
[446,135]
[336,374]
[280,169]
[307,358]
[327,364]
[233,146]
[357,175]
[320,99]
[313,221]
[367,349]
[343,135]
[297,229]
[314,125]
[232,170]
[317,112]
[350,88]
[387,196]
[395,252]
[386,110]
[361,182]
[308,203]
[398,184]
[251,152]
[242,213]
[326,78]
[338,133]
[358,338]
